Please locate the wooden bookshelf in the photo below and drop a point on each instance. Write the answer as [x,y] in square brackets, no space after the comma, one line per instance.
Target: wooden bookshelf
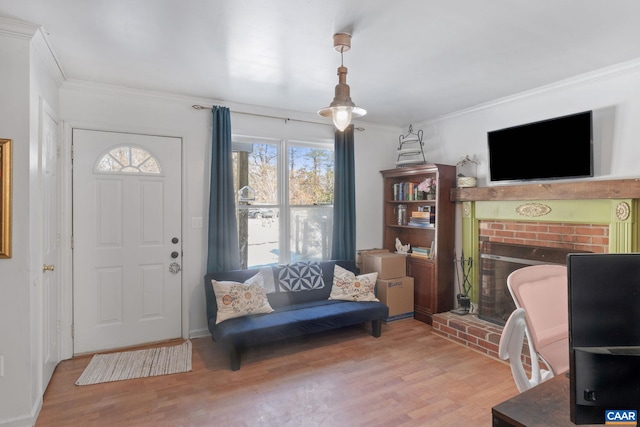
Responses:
[433,276]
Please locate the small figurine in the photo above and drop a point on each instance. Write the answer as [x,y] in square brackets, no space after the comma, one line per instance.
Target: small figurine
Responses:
[400,248]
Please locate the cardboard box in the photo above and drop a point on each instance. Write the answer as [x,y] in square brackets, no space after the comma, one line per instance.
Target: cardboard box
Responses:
[388,265]
[397,294]
[361,252]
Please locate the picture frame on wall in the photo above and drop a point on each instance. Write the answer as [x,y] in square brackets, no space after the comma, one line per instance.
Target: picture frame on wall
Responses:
[5,198]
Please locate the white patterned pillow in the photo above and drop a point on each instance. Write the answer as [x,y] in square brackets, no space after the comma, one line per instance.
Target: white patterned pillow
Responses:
[349,287]
[240,299]
[301,276]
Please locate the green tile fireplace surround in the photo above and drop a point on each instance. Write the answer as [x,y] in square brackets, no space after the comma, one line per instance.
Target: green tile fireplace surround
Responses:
[614,203]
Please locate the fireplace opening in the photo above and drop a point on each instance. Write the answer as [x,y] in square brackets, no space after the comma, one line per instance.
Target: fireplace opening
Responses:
[497,261]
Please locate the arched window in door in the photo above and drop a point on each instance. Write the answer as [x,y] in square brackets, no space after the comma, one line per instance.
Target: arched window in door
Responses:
[128,159]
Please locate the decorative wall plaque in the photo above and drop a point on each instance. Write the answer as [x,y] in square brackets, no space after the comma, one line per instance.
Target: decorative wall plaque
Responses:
[533,210]
[622,211]
[466,209]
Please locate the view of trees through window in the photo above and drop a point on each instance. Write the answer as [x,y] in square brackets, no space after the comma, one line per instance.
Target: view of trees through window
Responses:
[285,203]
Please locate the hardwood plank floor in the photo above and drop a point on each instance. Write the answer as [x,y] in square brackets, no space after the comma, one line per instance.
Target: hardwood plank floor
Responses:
[408,377]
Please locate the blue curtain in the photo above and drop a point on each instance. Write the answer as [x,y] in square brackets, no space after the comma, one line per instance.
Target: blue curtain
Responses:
[223,227]
[344,198]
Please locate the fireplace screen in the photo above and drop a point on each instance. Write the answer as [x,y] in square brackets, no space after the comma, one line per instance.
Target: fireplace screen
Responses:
[498,260]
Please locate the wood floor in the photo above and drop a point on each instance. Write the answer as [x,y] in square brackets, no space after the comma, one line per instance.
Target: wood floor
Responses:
[408,377]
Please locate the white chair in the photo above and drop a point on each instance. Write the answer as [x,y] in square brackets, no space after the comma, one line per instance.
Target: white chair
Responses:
[510,348]
[540,290]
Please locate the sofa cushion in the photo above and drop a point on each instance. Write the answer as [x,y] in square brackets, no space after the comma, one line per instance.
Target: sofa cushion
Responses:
[236,299]
[299,276]
[349,287]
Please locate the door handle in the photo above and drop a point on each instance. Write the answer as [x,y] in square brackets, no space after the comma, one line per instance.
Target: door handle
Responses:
[47,267]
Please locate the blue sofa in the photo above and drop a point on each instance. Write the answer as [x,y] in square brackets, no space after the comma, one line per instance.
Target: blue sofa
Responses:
[294,313]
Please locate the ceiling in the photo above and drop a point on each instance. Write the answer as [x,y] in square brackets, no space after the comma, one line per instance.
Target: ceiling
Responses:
[411,60]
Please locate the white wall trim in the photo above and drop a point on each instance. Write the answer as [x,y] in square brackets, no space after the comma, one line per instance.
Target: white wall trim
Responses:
[44,49]
[18,29]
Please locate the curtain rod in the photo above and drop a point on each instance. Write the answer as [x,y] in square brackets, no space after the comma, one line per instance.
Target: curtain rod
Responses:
[286,119]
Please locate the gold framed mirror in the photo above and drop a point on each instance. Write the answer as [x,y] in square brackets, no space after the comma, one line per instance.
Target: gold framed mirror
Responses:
[5,198]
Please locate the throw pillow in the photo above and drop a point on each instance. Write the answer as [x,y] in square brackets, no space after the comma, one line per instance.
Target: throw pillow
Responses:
[240,299]
[349,287]
[300,276]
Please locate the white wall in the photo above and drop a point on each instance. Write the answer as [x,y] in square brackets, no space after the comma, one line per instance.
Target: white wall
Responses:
[26,78]
[15,385]
[116,109]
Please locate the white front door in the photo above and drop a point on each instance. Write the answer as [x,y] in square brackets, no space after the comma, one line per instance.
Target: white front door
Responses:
[51,301]
[127,239]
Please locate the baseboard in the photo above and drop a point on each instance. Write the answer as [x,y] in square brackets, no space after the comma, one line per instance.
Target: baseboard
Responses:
[199,333]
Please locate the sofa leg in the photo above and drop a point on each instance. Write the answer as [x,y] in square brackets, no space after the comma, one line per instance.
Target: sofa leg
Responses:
[234,358]
[376,328]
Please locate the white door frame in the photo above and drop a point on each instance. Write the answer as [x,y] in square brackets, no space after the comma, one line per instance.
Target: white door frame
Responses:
[66,275]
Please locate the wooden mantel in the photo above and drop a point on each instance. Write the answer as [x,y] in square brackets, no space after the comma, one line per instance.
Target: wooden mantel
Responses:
[582,190]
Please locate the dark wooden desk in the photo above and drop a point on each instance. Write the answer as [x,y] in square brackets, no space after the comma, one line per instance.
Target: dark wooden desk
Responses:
[545,405]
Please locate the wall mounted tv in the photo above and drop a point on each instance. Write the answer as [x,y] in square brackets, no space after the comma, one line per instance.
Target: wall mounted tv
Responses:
[557,148]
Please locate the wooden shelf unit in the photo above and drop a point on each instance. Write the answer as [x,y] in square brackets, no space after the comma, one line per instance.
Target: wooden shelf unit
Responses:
[433,278]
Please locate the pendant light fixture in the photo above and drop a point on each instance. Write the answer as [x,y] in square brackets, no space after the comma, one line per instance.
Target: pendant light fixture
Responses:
[342,109]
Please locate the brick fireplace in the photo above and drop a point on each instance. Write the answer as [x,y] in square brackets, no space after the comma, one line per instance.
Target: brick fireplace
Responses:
[591,216]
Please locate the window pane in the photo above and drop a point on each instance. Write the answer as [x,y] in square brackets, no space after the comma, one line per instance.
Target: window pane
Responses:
[263,235]
[311,230]
[255,167]
[263,173]
[126,159]
[310,172]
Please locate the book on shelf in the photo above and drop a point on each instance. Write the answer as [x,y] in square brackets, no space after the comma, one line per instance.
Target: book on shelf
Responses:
[423,252]
[420,222]
[421,249]
[420,214]
[425,213]
[421,255]
[407,191]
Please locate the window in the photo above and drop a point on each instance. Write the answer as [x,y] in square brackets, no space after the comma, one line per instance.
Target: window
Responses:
[285,200]
[128,159]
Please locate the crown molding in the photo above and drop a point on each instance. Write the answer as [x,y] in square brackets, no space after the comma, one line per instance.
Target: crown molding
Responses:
[37,36]
[44,49]
[628,67]
[18,29]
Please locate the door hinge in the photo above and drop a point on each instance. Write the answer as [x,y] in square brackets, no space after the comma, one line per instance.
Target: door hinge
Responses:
[73,331]
[72,242]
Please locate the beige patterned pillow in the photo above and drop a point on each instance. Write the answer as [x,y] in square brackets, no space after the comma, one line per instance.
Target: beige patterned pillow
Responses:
[349,287]
[240,299]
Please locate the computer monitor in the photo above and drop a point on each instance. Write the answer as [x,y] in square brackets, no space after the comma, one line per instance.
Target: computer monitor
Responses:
[604,334]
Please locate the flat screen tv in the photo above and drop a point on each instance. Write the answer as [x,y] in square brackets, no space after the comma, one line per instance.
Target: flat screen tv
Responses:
[604,335]
[550,149]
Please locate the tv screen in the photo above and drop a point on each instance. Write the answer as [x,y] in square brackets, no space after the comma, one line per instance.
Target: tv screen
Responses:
[604,334]
[551,149]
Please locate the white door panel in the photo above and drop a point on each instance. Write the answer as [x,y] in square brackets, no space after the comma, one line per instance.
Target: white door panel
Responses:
[125,224]
[51,301]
